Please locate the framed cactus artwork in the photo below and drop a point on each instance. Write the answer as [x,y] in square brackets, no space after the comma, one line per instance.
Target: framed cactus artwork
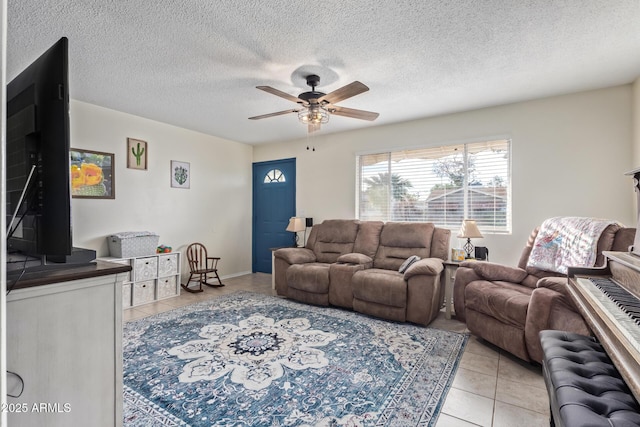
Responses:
[180,174]
[136,154]
[92,174]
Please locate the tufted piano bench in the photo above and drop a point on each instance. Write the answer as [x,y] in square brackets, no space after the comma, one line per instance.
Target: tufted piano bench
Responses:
[585,388]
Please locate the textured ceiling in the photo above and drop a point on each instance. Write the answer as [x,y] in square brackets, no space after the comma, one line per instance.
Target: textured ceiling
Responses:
[195,64]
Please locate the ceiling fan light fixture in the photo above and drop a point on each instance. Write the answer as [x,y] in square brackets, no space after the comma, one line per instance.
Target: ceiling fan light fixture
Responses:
[314,108]
[314,114]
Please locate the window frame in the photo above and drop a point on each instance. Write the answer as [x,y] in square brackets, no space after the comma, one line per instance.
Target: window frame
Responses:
[470,146]
[278,178]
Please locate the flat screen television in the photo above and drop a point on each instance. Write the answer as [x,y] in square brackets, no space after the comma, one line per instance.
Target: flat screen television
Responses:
[38,193]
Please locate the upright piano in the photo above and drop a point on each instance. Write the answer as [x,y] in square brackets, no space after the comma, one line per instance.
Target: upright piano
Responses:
[609,300]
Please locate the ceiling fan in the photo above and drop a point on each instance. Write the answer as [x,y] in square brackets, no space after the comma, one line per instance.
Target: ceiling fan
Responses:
[316,107]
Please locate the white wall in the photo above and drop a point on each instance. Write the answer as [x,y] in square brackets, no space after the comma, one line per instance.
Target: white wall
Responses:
[569,155]
[216,210]
[635,110]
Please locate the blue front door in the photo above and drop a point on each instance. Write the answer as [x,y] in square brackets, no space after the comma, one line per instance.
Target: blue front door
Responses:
[274,202]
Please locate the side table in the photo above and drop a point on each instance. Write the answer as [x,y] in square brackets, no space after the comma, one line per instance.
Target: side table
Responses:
[273,264]
[450,268]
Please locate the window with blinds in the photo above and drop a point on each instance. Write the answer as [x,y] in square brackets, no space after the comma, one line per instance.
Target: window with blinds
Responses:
[443,185]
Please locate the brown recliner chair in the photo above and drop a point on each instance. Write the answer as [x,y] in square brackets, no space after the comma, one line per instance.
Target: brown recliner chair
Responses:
[509,306]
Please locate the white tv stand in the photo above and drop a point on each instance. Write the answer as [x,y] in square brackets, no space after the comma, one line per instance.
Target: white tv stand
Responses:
[64,339]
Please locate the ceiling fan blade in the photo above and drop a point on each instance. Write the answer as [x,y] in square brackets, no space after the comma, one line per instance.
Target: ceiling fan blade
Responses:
[352,89]
[278,113]
[281,94]
[353,113]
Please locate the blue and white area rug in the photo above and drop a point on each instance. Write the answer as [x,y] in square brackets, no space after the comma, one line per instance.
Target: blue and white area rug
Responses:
[253,360]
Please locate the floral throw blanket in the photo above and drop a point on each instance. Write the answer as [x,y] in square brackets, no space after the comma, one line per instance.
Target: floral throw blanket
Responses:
[567,241]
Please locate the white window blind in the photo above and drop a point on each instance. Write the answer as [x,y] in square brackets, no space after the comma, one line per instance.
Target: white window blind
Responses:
[443,185]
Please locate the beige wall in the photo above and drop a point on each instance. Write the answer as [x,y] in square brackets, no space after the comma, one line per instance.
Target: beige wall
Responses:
[635,110]
[569,155]
[216,210]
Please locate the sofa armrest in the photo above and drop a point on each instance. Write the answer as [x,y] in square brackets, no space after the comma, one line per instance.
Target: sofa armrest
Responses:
[295,255]
[355,258]
[425,266]
[496,272]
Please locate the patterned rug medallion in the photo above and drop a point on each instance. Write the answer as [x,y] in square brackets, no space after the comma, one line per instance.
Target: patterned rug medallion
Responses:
[253,360]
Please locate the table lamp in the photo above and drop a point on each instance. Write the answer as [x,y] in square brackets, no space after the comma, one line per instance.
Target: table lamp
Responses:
[296,224]
[469,230]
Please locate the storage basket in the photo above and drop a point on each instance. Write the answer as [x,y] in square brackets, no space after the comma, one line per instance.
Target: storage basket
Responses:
[131,244]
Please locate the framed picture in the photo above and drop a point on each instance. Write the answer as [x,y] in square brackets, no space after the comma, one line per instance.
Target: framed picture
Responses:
[136,154]
[180,174]
[92,174]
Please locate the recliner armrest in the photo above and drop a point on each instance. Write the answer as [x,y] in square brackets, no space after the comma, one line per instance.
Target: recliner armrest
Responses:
[549,309]
[557,284]
[492,271]
[425,266]
[295,255]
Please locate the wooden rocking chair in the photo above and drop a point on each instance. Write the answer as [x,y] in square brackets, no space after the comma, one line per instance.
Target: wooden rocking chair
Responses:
[201,265]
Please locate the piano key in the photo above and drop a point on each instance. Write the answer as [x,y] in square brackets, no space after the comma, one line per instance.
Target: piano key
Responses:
[628,325]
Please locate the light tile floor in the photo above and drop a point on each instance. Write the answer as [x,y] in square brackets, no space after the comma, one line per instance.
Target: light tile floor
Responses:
[491,388]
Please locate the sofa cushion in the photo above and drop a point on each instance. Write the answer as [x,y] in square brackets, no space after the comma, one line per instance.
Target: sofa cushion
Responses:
[400,240]
[311,277]
[334,238]
[384,287]
[504,301]
[624,239]
[440,243]
[313,234]
[524,256]
[605,243]
[368,238]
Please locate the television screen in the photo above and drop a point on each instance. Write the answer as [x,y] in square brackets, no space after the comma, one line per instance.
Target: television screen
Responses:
[38,190]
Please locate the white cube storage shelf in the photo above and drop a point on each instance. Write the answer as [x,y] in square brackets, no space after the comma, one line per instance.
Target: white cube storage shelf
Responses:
[152,278]
[166,287]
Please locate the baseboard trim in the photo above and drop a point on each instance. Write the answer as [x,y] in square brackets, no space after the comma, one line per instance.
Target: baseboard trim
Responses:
[230,276]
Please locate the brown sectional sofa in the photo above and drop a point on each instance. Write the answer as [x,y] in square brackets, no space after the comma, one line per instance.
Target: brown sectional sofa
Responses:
[354,264]
[509,306]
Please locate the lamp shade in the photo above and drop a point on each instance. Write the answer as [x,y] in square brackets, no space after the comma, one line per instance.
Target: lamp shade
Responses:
[296,224]
[469,229]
